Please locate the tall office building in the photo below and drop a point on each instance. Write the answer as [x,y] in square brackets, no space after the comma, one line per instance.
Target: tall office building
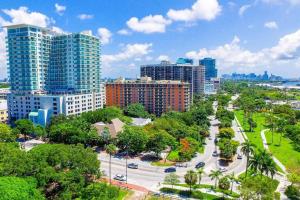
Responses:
[182,70]
[156,96]
[210,68]
[52,73]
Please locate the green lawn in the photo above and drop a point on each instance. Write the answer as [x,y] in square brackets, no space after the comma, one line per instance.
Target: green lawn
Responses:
[124,193]
[285,153]
[254,137]
[173,156]
[161,164]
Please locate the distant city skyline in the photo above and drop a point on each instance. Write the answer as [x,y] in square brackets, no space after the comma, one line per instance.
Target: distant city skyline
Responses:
[238,34]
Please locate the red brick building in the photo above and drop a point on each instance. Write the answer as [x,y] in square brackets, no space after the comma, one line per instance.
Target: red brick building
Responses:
[156,96]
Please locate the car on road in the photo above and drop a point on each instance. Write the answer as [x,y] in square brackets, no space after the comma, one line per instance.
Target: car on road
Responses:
[216,140]
[133,166]
[181,165]
[120,177]
[170,169]
[199,165]
[239,156]
[209,137]
[223,169]
[215,154]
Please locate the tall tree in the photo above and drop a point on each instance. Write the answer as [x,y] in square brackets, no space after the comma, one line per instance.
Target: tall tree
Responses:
[172,179]
[6,134]
[232,179]
[190,178]
[111,150]
[25,126]
[200,173]
[215,175]
[247,149]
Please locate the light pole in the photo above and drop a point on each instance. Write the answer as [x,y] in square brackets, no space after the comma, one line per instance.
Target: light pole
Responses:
[126,158]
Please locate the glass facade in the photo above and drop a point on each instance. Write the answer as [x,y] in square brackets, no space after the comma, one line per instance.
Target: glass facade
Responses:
[210,67]
[40,60]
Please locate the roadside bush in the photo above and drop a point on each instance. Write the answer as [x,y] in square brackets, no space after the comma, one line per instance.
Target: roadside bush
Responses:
[226,133]
[292,192]
[224,183]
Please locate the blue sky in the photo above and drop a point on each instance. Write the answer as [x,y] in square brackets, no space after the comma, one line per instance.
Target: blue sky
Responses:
[244,36]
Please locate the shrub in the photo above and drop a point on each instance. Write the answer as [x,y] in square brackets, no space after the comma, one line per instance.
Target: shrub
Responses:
[292,192]
[224,183]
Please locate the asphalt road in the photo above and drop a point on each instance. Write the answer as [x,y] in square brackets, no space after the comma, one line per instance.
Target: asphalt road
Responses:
[151,177]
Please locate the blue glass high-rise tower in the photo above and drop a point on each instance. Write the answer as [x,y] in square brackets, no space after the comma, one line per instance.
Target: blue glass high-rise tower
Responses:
[210,67]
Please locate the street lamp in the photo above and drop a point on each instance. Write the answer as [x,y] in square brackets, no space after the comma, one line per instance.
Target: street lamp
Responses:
[126,158]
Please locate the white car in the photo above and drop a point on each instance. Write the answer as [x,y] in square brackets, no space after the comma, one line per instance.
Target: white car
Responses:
[120,177]
[223,169]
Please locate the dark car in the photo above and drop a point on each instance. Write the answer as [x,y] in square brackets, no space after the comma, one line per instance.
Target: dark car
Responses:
[239,156]
[216,140]
[170,169]
[215,154]
[200,164]
[133,166]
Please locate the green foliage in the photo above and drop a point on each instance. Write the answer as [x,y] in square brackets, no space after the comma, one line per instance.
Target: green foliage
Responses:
[258,188]
[190,178]
[6,134]
[224,183]
[4,85]
[100,191]
[40,131]
[188,148]
[19,189]
[293,132]
[61,171]
[136,110]
[159,141]
[73,131]
[228,148]
[223,99]
[134,139]
[24,126]
[226,133]
[263,162]
[292,192]
[105,115]
[171,179]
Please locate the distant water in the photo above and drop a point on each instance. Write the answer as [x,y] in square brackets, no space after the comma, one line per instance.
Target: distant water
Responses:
[291,84]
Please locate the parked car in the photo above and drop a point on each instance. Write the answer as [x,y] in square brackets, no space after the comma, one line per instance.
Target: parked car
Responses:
[170,169]
[199,165]
[120,177]
[215,154]
[239,156]
[223,169]
[133,166]
[209,137]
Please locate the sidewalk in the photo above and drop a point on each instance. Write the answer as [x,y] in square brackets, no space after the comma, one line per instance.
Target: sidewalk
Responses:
[282,178]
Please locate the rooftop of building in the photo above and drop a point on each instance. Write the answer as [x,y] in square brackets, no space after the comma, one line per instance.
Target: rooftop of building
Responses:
[147,80]
[180,62]
[84,32]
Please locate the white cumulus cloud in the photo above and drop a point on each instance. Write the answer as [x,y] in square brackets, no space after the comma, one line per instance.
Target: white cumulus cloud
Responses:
[85,16]
[279,2]
[271,25]
[124,32]
[233,56]
[105,35]
[200,10]
[163,58]
[243,9]
[148,24]
[129,51]
[60,9]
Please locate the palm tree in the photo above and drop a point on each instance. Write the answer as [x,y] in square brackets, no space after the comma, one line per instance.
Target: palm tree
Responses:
[110,149]
[190,178]
[247,149]
[255,162]
[200,172]
[232,179]
[263,162]
[271,123]
[215,175]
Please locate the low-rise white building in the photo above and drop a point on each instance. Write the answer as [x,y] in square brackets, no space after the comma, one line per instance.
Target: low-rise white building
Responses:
[40,108]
